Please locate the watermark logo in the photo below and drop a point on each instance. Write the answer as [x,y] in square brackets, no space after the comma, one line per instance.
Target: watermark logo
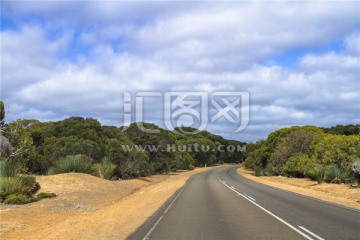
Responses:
[186,109]
[190,112]
[190,148]
[233,107]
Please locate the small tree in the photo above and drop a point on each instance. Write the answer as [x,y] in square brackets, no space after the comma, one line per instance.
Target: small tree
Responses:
[15,143]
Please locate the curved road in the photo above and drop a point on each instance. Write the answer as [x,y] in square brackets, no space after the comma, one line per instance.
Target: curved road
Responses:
[220,204]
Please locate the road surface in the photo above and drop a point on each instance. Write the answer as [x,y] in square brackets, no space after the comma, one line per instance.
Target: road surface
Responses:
[220,204]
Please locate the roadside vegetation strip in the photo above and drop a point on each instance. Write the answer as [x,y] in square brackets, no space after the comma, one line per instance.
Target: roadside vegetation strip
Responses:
[338,194]
[267,211]
[324,155]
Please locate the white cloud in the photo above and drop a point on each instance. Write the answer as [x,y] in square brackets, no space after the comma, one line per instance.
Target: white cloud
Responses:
[210,47]
[353,44]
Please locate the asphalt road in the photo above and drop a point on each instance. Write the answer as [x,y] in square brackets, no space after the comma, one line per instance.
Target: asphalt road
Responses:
[220,204]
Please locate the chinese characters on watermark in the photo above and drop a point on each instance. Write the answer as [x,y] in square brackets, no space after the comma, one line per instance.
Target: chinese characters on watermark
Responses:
[190,112]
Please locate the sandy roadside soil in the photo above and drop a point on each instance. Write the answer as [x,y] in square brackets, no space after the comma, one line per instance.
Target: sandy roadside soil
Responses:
[88,207]
[335,193]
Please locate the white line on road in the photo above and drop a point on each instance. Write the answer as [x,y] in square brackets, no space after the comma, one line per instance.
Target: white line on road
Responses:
[157,222]
[248,197]
[311,233]
[267,211]
[251,198]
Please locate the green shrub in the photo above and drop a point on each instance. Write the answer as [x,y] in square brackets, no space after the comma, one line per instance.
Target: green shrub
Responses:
[74,163]
[19,184]
[297,166]
[334,174]
[28,181]
[13,183]
[317,173]
[19,199]
[258,171]
[10,185]
[29,184]
[105,169]
[343,177]
[251,163]
[7,169]
[45,195]
[191,167]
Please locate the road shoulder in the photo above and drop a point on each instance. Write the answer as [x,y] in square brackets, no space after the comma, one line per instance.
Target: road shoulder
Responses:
[104,210]
[339,194]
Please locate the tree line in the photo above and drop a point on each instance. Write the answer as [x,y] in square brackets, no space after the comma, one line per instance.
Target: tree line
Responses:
[305,151]
[43,145]
[38,147]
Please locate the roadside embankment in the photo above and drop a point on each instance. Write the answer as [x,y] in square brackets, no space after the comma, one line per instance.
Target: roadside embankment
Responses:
[88,207]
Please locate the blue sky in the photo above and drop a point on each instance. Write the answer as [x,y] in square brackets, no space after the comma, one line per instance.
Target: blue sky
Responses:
[299,61]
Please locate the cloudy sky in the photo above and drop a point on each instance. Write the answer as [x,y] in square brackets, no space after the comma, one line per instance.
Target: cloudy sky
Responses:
[299,61]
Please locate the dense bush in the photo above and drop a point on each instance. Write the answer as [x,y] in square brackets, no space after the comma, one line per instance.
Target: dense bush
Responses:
[45,195]
[10,185]
[317,173]
[105,169]
[344,130]
[47,142]
[296,142]
[19,199]
[7,169]
[17,184]
[29,183]
[297,166]
[334,174]
[76,163]
[295,151]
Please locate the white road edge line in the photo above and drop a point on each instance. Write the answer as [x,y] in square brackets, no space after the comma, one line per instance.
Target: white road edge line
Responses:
[311,233]
[270,213]
[251,198]
[158,221]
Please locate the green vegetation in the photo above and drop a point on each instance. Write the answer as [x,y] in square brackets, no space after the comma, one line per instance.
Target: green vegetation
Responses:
[133,152]
[83,145]
[343,130]
[7,169]
[298,166]
[19,199]
[105,169]
[17,188]
[10,185]
[13,183]
[17,184]
[29,183]
[45,195]
[317,173]
[321,154]
[76,163]
[335,174]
